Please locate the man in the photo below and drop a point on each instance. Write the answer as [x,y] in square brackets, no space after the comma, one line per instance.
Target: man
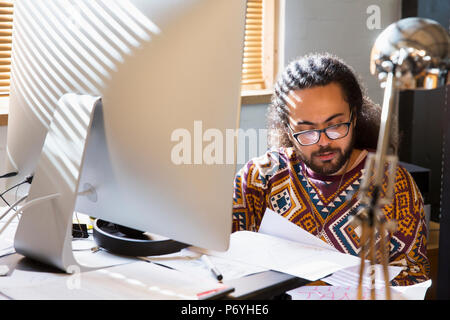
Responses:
[321,129]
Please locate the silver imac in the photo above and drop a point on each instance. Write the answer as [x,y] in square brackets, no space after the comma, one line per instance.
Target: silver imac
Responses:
[164,73]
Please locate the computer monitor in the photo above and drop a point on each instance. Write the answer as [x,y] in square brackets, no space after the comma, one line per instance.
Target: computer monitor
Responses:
[165,71]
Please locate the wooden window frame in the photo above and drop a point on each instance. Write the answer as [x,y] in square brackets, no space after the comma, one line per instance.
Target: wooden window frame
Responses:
[271,9]
[5,55]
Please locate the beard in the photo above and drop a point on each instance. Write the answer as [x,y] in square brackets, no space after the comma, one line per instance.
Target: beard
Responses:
[330,166]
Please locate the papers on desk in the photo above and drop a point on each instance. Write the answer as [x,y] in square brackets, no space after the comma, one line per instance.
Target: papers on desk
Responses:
[350,276]
[344,282]
[304,261]
[282,246]
[82,251]
[7,236]
[285,247]
[276,225]
[414,292]
[189,262]
[7,239]
[127,278]
[333,293]
[137,280]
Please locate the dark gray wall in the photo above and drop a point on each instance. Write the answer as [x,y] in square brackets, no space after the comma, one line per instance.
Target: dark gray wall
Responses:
[420,112]
[443,285]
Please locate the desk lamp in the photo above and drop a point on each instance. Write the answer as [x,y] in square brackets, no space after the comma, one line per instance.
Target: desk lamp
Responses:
[410,54]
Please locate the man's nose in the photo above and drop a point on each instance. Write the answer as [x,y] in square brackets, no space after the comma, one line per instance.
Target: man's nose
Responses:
[323,139]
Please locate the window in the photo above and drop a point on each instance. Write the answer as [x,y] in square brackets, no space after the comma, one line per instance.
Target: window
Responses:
[258,67]
[6,18]
[259,48]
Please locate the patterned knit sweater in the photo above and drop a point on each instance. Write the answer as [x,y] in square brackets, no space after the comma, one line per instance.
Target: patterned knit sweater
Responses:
[280,181]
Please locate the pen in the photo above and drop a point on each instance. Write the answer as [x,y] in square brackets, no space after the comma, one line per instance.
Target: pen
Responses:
[213,268]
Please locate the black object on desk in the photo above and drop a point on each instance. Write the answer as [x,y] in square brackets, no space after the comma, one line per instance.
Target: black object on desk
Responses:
[263,285]
[79,230]
[130,242]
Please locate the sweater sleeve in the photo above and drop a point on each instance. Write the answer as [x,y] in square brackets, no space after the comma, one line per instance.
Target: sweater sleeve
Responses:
[251,189]
[409,242]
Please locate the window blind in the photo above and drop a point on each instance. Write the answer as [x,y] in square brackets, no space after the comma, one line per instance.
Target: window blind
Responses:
[252,67]
[6,19]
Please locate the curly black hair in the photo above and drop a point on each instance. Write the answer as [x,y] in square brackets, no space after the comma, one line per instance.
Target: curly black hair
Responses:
[319,70]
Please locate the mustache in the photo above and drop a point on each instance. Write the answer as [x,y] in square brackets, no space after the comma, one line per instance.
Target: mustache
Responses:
[325,150]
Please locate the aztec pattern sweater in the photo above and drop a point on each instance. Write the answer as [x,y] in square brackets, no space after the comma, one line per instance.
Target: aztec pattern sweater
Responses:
[281,182]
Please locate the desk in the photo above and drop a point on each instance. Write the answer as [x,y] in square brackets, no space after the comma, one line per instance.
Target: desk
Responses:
[126,282]
[130,277]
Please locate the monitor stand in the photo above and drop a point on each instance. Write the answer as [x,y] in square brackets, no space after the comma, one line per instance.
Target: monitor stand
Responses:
[126,241]
[44,232]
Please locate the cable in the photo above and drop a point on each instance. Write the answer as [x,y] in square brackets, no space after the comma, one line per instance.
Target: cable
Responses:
[9,174]
[11,207]
[25,206]
[5,201]
[28,179]
[17,185]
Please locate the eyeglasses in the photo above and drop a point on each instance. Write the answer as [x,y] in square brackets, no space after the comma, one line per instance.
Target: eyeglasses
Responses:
[310,137]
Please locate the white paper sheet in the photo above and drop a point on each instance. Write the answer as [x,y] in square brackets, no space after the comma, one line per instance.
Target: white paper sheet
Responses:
[350,276]
[7,238]
[338,293]
[330,293]
[276,225]
[304,261]
[190,262]
[99,259]
[138,280]
[414,292]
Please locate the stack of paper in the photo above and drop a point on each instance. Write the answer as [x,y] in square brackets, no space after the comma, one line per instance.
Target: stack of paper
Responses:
[275,225]
[414,292]
[190,262]
[332,293]
[344,282]
[350,276]
[304,261]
